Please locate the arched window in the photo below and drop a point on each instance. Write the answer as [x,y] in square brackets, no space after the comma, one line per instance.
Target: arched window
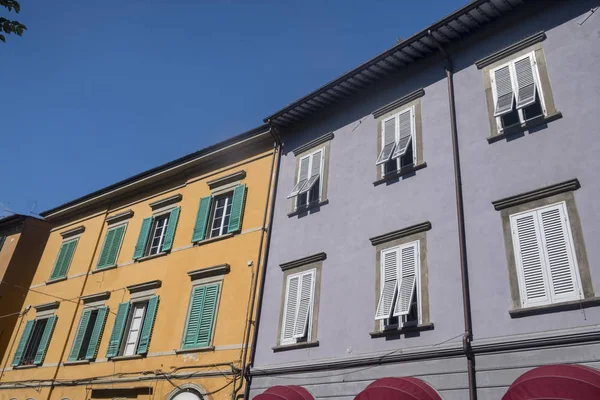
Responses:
[187,394]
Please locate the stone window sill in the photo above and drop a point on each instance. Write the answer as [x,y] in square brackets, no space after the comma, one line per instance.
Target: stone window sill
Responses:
[96,270]
[402,330]
[125,358]
[308,207]
[195,350]
[78,362]
[146,258]
[213,239]
[26,366]
[535,122]
[552,308]
[295,346]
[399,173]
[50,282]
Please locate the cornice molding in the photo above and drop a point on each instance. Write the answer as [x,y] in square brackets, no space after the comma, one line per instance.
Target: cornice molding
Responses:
[313,143]
[399,103]
[303,261]
[73,232]
[166,201]
[566,186]
[411,230]
[47,306]
[509,50]
[140,287]
[216,270]
[236,176]
[119,217]
[90,298]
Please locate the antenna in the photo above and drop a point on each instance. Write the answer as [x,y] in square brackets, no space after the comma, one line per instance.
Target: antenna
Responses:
[33,207]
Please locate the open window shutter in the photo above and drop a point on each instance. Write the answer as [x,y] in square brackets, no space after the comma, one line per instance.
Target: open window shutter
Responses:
[389,141]
[304,305]
[302,177]
[525,82]
[406,122]
[148,325]
[65,255]
[207,315]
[529,259]
[237,209]
[201,219]
[504,91]
[558,252]
[142,238]
[92,349]
[23,343]
[389,264]
[45,341]
[291,307]
[79,336]
[170,233]
[406,288]
[315,171]
[190,338]
[117,332]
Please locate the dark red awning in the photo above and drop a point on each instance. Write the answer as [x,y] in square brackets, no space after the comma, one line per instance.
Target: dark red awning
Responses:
[556,382]
[398,389]
[285,393]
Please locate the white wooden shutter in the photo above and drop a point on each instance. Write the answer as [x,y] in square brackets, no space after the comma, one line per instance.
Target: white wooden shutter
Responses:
[302,177]
[315,171]
[305,304]
[406,129]
[389,276]
[559,255]
[525,81]
[291,308]
[389,141]
[504,95]
[408,278]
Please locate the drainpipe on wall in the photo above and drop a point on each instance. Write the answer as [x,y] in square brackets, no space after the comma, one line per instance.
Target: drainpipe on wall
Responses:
[468,335]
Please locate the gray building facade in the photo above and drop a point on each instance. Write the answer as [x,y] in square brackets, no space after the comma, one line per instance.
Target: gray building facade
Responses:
[363,279]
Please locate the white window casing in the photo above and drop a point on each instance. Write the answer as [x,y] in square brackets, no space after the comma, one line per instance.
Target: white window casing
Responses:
[316,160]
[311,169]
[298,307]
[398,134]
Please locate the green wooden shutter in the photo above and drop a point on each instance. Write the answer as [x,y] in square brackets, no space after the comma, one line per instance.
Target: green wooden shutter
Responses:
[83,323]
[65,255]
[110,249]
[23,343]
[207,316]
[117,332]
[142,238]
[202,218]
[190,337]
[237,208]
[45,341]
[170,233]
[147,326]
[92,349]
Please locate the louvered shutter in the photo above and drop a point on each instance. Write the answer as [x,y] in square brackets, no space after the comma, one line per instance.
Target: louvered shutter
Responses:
[79,336]
[111,247]
[171,226]
[207,315]
[291,307]
[527,243]
[237,209]
[408,278]
[304,305]
[142,238]
[149,318]
[406,128]
[559,256]
[525,81]
[45,341]
[302,177]
[106,248]
[504,91]
[117,332]
[389,141]
[63,261]
[190,338]
[23,343]
[315,171]
[202,219]
[92,349]
[389,271]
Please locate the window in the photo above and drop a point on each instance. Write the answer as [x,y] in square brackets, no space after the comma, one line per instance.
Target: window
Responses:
[547,267]
[111,246]
[201,316]
[157,234]
[220,215]
[34,342]
[63,261]
[89,333]
[133,328]
[298,308]
[398,141]
[308,185]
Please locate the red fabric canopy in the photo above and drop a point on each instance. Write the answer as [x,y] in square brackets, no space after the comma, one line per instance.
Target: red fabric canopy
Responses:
[556,382]
[285,393]
[398,389]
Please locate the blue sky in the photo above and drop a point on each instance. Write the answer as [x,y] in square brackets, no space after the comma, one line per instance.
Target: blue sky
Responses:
[93,94]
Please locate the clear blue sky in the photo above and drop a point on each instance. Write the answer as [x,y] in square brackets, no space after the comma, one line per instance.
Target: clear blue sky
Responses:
[95,92]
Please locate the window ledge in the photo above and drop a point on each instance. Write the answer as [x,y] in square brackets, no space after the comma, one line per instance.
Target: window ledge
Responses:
[524,127]
[78,362]
[26,366]
[552,308]
[213,239]
[399,172]
[294,346]
[125,358]
[50,282]
[402,330]
[195,350]
[96,270]
[308,207]
[146,258]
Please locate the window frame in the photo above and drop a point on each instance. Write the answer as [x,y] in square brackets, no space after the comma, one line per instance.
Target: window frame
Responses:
[127,329]
[165,216]
[413,137]
[65,241]
[289,341]
[218,280]
[25,350]
[310,156]
[110,227]
[224,229]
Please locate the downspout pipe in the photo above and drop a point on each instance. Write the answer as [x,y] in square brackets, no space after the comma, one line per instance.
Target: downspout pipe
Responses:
[466,295]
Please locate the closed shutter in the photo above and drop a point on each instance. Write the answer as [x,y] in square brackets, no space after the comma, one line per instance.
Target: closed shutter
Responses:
[408,271]
[111,247]
[406,128]
[389,270]
[304,304]
[202,219]
[389,141]
[237,209]
[117,332]
[65,255]
[79,336]
[23,343]
[92,349]
[504,100]
[142,238]
[190,338]
[170,233]
[525,81]
[148,325]
[302,177]
[291,307]
[45,341]
[315,171]
[207,315]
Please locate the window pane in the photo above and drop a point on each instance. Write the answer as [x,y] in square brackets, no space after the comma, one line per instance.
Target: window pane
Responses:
[222,210]
[533,110]
[511,118]
[88,335]
[133,333]
[407,158]
[157,234]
